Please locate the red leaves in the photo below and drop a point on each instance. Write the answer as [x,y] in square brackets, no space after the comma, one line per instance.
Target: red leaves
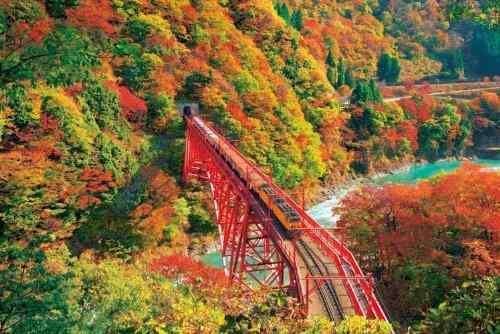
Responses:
[133,108]
[191,272]
[35,33]
[94,15]
[74,90]
[410,132]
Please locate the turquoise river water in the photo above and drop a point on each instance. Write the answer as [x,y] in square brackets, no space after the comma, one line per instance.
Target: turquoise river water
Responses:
[322,212]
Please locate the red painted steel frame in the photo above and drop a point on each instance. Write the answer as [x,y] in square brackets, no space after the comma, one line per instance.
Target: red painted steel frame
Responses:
[252,250]
[246,230]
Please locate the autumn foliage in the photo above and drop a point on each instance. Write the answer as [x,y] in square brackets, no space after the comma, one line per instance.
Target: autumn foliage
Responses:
[421,240]
[95,15]
[184,269]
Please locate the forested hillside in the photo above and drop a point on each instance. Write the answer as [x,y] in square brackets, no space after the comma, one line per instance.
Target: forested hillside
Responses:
[95,224]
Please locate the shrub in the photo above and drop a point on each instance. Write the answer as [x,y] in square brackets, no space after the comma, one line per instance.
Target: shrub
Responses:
[102,104]
[136,72]
[22,106]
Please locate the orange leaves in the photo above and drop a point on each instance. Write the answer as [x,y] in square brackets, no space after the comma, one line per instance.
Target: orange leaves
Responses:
[237,113]
[97,181]
[94,15]
[403,222]
[161,186]
[190,13]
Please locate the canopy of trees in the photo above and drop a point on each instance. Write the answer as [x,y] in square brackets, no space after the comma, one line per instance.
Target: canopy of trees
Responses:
[91,143]
[421,241]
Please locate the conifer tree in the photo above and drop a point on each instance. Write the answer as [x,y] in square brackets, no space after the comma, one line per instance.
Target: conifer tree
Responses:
[340,74]
[330,59]
[349,78]
[297,19]
[331,74]
[375,92]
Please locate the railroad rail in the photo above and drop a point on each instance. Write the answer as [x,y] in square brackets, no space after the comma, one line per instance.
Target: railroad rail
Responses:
[308,263]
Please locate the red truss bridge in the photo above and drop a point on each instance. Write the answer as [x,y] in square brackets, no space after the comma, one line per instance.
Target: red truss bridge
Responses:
[267,239]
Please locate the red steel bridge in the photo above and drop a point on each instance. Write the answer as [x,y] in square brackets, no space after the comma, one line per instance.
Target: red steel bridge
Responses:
[309,264]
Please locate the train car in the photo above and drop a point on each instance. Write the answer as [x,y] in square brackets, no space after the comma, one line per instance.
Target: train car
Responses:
[286,215]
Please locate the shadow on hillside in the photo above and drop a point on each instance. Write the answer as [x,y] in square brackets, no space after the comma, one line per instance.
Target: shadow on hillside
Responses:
[109,228]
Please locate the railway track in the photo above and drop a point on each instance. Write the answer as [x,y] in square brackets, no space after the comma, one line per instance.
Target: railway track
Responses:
[327,293]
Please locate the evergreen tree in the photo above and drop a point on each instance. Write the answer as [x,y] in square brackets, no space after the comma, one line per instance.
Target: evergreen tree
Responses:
[331,74]
[361,93]
[330,59]
[283,11]
[349,78]
[297,19]
[375,92]
[340,74]
[388,69]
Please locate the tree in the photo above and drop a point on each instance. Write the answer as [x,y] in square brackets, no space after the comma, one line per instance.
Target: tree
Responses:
[283,11]
[57,8]
[420,241]
[482,12]
[474,307]
[331,75]
[375,92]
[361,325]
[330,59]
[22,106]
[94,15]
[136,72]
[349,78]
[362,93]
[63,57]
[102,104]
[297,19]
[341,74]
[388,68]
[33,299]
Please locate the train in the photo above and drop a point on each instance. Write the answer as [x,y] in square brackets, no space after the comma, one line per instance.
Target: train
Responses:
[285,214]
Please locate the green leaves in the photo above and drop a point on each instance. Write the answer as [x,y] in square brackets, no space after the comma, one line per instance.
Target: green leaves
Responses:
[70,57]
[483,12]
[472,308]
[57,8]
[21,105]
[33,299]
[66,56]
[388,69]
[136,72]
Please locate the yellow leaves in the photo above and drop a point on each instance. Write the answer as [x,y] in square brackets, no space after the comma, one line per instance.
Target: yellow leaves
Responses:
[153,59]
[106,70]
[213,97]
[195,317]
[360,325]
[157,23]
[76,120]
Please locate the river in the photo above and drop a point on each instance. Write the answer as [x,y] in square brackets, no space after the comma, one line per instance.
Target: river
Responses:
[322,212]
